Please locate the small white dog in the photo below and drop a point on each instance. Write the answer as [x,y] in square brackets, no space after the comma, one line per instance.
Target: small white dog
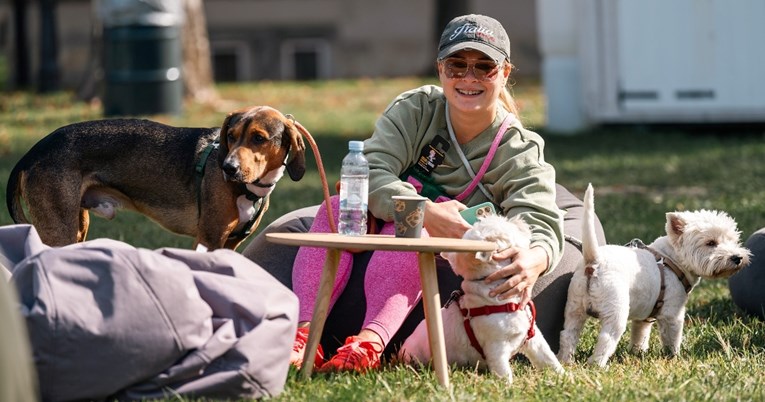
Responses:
[498,328]
[643,284]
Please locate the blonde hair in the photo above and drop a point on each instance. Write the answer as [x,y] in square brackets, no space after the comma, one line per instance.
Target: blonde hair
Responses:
[506,99]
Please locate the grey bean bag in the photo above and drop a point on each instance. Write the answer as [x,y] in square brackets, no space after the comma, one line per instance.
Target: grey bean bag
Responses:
[347,316]
[108,321]
[17,377]
[747,287]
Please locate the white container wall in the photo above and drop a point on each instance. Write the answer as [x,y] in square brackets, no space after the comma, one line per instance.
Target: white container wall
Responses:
[653,61]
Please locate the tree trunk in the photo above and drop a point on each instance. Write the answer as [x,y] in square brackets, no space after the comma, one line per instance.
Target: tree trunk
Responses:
[49,74]
[197,63]
[445,11]
[20,46]
[91,84]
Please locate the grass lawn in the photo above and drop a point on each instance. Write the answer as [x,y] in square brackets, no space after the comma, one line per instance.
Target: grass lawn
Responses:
[639,173]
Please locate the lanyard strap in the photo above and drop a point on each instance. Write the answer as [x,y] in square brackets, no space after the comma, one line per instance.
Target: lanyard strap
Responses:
[476,182]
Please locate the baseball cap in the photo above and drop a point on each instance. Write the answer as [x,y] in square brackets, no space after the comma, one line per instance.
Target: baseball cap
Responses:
[477,32]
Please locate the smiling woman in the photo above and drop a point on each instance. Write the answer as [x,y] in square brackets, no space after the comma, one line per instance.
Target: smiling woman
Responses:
[460,144]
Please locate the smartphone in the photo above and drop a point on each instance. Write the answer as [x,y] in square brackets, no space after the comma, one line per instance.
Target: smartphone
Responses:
[473,214]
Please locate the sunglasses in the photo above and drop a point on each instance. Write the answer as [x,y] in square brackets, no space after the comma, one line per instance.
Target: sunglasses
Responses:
[483,70]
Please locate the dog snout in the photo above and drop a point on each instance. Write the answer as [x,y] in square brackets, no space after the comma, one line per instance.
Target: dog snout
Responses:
[230,168]
[736,259]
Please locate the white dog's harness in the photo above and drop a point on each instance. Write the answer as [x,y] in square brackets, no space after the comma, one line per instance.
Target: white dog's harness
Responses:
[662,261]
[469,313]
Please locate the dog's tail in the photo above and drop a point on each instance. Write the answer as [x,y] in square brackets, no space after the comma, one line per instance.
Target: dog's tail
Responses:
[589,236]
[13,195]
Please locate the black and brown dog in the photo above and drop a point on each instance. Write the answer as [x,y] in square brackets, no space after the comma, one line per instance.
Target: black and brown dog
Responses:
[179,177]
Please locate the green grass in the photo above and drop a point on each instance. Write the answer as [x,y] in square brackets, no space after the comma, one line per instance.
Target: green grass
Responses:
[639,174]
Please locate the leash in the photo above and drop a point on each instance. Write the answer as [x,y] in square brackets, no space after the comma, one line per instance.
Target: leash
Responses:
[320,168]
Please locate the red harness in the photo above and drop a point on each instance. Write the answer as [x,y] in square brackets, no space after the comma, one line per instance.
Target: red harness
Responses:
[469,313]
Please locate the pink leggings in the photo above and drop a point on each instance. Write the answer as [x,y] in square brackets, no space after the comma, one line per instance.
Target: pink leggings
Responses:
[391,285]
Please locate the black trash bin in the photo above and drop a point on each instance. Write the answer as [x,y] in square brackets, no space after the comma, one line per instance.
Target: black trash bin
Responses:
[142,58]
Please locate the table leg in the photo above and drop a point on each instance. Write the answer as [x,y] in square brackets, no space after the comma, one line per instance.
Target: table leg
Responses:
[320,310]
[431,303]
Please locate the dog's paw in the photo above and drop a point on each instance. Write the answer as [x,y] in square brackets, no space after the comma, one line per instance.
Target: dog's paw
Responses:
[565,358]
[670,352]
[639,350]
[595,361]
[558,368]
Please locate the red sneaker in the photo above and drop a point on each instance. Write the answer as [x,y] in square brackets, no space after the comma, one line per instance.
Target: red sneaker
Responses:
[298,350]
[355,355]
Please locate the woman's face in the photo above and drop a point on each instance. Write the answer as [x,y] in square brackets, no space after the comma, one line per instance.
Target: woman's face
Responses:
[472,82]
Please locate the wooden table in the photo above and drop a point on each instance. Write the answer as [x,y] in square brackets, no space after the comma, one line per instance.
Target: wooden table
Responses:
[427,247]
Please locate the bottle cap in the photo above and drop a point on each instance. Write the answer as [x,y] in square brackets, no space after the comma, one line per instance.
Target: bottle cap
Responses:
[355,145]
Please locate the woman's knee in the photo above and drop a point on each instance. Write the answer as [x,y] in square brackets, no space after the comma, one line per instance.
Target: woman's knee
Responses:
[275,258]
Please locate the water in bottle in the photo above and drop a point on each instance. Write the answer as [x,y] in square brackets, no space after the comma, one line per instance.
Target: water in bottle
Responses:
[354,191]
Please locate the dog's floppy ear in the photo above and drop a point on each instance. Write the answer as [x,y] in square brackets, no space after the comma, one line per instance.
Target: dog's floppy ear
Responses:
[230,120]
[296,164]
[450,256]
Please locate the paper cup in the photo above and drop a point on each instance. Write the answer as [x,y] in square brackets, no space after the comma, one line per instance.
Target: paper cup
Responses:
[408,215]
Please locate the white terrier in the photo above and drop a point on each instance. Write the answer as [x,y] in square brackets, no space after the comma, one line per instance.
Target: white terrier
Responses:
[643,284]
[479,329]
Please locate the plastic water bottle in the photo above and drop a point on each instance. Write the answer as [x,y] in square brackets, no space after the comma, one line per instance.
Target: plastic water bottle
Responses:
[354,191]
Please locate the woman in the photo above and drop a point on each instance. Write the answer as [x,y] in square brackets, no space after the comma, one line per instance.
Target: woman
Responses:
[452,126]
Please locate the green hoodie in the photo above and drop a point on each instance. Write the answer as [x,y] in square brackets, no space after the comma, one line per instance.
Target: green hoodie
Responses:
[519,179]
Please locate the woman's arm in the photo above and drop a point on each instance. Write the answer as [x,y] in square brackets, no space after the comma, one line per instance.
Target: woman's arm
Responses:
[407,124]
[389,152]
[528,185]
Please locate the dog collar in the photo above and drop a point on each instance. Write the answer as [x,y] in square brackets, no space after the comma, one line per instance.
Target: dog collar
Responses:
[468,313]
[257,183]
[265,184]
[249,194]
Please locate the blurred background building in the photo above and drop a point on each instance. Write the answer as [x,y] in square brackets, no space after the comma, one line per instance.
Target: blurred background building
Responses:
[600,61]
[652,61]
[297,39]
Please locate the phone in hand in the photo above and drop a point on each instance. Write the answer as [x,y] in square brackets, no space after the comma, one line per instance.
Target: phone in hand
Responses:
[473,214]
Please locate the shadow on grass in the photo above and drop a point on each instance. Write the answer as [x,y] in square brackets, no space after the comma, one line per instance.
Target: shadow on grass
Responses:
[718,326]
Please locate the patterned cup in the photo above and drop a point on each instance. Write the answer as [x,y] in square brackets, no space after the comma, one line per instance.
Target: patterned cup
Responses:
[408,215]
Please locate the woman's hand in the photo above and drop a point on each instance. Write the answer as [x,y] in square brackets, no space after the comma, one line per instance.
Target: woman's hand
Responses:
[443,219]
[520,275]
